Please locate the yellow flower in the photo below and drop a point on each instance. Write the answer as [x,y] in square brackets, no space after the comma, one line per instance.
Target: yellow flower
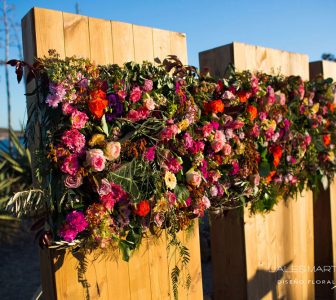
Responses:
[170,180]
[96,139]
[161,205]
[331,156]
[315,108]
[269,124]
[305,101]
[183,125]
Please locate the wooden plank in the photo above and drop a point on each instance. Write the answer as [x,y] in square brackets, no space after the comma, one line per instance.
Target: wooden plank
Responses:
[47,274]
[158,267]
[118,275]
[123,44]
[101,47]
[178,45]
[139,275]
[76,35]
[67,276]
[192,242]
[228,255]
[161,43]
[143,44]
[329,69]
[48,32]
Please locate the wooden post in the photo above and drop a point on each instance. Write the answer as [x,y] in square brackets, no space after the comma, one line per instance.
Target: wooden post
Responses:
[147,275]
[325,211]
[255,250]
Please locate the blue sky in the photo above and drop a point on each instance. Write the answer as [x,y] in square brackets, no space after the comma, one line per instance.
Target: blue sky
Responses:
[291,25]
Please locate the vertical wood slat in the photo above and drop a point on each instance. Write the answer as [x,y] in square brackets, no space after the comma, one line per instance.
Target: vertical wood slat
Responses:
[325,210]
[284,237]
[107,42]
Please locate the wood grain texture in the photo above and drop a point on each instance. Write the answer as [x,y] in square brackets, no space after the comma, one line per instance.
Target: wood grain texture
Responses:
[333,225]
[123,43]
[76,35]
[147,275]
[101,46]
[282,238]
[143,43]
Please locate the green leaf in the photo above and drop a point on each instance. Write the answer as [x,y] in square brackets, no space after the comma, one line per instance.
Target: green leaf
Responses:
[182,193]
[125,250]
[104,125]
[264,168]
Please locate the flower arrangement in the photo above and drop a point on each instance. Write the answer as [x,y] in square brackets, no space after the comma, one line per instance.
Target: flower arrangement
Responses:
[143,147]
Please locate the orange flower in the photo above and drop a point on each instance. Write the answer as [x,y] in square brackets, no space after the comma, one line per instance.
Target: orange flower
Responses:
[253,112]
[270,176]
[331,106]
[277,153]
[97,103]
[326,139]
[243,96]
[214,106]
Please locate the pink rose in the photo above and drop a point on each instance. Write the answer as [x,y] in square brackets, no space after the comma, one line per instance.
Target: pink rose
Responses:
[148,85]
[149,103]
[78,119]
[217,146]
[70,165]
[108,201]
[73,182]
[135,94]
[67,108]
[227,149]
[74,140]
[307,139]
[194,178]
[112,150]
[95,159]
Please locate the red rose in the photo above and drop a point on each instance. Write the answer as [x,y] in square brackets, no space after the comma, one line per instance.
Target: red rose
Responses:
[142,208]
[97,103]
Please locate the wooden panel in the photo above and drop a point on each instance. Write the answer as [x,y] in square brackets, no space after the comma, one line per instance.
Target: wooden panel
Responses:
[100,34]
[161,41]
[192,241]
[118,275]
[329,69]
[122,38]
[158,266]
[284,237]
[178,44]
[48,31]
[143,44]
[228,255]
[76,35]
[216,60]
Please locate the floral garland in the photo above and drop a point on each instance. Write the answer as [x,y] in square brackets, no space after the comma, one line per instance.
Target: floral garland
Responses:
[144,147]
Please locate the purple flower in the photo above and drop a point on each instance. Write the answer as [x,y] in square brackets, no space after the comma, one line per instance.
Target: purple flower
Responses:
[75,223]
[117,107]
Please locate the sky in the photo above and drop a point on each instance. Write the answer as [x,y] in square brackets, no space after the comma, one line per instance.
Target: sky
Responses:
[293,25]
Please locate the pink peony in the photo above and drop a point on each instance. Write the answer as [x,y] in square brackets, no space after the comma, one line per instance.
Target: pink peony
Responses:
[169,132]
[74,140]
[70,165]
[108,201]
[67,108]
[148,85]
[173,165]
[270,95]
[206,129]
[235,168]
[95,159]
[149,155]
[73,182]
[112,150]
[135,94]
[78,119]
[193,178]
